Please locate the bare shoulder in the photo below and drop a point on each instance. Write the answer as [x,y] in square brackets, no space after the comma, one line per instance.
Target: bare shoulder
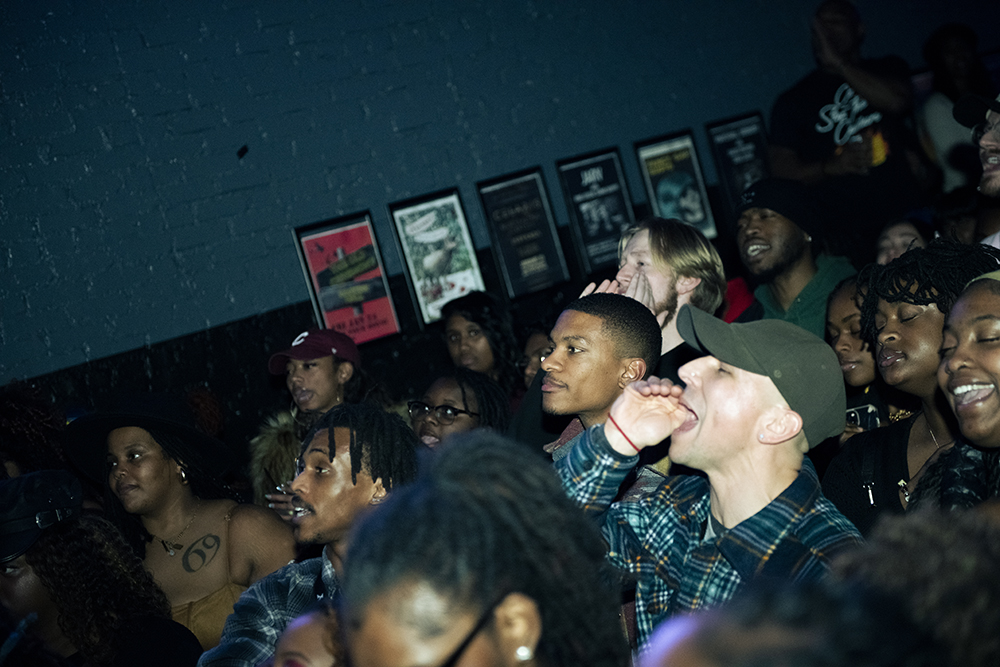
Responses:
[261,543]
[252,520]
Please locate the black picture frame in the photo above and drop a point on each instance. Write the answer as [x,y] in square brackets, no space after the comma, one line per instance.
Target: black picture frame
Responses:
[675,185]
[740,150]
[439,255]
[519,216]
[346,277]
[599,205]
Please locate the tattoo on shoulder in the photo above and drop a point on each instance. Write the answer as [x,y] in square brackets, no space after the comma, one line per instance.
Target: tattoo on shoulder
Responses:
[201,552]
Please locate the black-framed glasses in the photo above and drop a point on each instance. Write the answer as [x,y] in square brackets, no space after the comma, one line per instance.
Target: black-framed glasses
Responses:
[445,414]
[483,621]
[982,129]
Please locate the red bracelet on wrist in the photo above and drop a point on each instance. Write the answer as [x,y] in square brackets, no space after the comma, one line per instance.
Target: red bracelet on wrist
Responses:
[615,424]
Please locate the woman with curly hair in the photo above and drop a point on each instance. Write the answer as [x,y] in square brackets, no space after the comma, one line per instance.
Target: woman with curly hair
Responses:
[480,337]
[902,316]
[457,402]
[482,558]
[163,491]
[77,578]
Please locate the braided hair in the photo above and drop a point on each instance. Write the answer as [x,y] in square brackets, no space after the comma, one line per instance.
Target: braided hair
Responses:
[487,518]
[382,444]
[936,275]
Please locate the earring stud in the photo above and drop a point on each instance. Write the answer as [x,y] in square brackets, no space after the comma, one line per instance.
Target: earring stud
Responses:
[523,654]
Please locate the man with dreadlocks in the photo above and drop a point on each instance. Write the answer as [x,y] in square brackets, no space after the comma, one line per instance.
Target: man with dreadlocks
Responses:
[350,460]
[902,317]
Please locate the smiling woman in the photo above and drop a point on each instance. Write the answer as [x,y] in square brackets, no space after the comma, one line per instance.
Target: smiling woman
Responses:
[902,315]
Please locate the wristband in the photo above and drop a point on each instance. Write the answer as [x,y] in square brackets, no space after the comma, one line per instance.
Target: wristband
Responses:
[615,424]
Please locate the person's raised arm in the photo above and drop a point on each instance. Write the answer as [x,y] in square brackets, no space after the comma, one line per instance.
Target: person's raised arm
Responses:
[644,415]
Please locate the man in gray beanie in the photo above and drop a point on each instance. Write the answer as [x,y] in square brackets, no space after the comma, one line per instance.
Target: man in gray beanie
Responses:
[777,230]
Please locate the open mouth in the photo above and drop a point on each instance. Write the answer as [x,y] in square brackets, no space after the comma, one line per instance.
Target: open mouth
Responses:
[754,249]
[968,394]
[689,422]
[301,510]
[301,396]
[888,357]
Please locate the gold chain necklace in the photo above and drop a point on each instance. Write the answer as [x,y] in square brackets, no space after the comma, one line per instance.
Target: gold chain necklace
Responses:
[171,545]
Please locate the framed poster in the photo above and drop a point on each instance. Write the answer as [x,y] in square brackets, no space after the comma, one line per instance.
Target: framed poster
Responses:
[347,284]
[524,232]
[739,146]
[440,257]
[674,182]
[599,206]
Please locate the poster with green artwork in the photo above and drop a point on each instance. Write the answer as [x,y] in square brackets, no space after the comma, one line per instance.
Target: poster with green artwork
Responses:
[436,244]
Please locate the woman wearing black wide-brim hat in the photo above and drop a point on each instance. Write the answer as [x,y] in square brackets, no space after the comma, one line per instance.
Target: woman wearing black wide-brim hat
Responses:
[163,477]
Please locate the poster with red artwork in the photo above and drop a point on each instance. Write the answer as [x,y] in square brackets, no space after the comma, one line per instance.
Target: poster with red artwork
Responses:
[347,283]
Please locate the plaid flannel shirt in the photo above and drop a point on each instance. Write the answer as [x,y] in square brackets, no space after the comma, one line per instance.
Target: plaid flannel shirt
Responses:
[266,608]
[658,539]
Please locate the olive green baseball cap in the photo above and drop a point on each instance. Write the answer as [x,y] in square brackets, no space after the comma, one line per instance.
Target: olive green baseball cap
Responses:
[803,367]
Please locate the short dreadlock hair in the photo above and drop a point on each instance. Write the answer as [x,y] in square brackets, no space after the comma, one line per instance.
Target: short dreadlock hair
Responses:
[487,518]
[382,444]
[935,275]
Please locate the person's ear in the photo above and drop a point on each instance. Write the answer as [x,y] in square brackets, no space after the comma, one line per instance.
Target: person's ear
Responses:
[686,285]
[780,425]
[379,493]
[635,369]
[345,371]
[518,624]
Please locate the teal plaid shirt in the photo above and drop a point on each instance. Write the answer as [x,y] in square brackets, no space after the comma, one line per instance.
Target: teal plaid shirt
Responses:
[266,608]
[658,538]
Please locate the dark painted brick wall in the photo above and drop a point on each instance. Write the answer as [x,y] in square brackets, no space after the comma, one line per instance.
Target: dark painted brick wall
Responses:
[127,220]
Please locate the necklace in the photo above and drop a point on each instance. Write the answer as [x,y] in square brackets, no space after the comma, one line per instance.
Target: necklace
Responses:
[903,485]
[171,545]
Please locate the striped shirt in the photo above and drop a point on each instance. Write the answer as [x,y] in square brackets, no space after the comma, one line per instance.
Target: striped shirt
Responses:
[660,539]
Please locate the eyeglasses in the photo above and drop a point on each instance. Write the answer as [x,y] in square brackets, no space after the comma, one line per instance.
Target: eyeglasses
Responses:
[982,129]
[487,616]
[445,414]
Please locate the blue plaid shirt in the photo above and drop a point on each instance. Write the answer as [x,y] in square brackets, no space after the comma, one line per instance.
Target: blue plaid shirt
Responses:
[266,608]
[659,538]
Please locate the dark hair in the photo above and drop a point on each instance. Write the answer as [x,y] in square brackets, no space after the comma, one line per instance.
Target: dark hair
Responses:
[203,478]
[630,325]
[96,582]
[382,444]
[936,275]
[480,308]
[493,404]
[941,566]
[29,431]
[487,518]
[933,52]
[811,624]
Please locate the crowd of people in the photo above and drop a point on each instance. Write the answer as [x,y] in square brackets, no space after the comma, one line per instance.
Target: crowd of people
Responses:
[662,475]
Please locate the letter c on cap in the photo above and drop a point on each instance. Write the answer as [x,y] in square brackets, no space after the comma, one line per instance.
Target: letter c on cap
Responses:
[300,338]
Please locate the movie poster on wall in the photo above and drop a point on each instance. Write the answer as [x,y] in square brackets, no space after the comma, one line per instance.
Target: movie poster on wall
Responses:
[739,146]
[599,206]
[347,284]
[437,247]
[674,183]
[524,231]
